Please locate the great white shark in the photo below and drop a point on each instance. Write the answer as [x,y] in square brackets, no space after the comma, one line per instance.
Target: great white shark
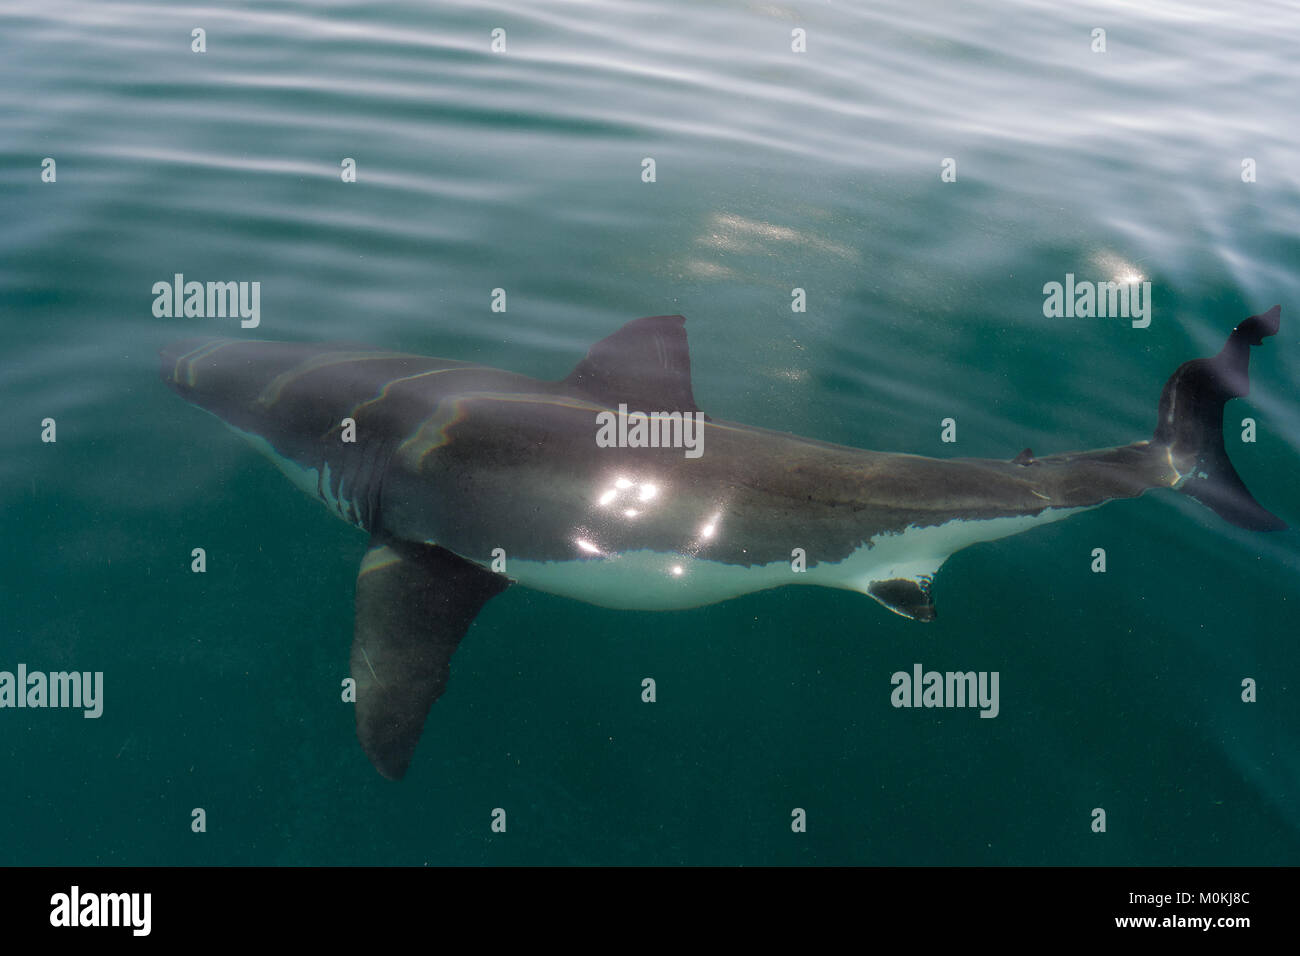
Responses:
[454,469]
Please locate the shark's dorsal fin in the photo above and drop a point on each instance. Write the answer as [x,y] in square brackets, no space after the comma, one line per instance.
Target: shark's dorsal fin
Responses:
[414,604]
[646,365]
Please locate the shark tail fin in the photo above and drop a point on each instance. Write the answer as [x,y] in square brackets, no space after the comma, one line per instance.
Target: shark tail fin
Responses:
[1190,425]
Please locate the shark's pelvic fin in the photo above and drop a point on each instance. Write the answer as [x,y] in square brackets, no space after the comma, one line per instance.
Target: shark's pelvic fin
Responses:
[646,365]
[414,604]
[909,597]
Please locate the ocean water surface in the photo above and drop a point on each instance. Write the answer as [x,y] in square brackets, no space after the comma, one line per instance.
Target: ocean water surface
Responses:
[1167,158]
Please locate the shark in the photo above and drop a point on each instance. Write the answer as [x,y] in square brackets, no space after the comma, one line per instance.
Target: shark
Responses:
[469,479]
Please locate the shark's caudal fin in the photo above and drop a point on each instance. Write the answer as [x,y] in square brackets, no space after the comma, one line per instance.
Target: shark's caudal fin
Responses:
[1190,425]
[414,604]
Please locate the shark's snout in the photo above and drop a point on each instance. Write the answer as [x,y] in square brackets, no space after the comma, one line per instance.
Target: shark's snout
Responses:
[177,361]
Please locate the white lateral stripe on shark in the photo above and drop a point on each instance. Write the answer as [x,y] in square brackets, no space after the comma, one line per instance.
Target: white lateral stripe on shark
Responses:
[652,580]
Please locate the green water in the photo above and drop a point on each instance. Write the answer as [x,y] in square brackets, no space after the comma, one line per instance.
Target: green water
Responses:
[522,170]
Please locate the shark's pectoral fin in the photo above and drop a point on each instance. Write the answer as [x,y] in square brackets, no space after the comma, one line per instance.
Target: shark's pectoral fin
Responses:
[414,604]
[909,597]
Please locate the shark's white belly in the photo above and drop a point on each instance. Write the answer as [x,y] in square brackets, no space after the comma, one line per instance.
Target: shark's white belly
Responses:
[653,580]
[649,580]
